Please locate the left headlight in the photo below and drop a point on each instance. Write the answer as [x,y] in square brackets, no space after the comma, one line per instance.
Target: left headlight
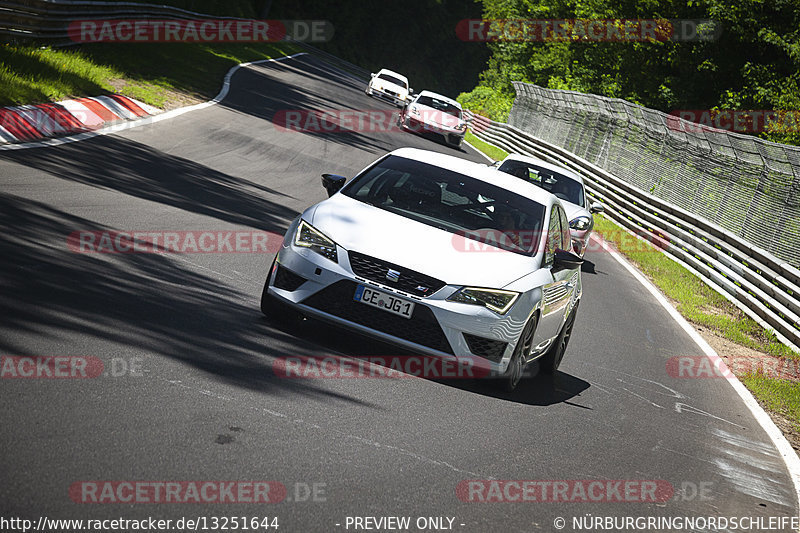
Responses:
[580,223]
[309,237]
[496,300]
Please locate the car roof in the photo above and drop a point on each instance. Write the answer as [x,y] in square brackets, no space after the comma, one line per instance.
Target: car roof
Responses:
[393,73]
[439,97]
[481,172]
[550,166]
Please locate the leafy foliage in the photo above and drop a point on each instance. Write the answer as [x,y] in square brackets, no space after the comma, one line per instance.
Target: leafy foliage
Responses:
[754,64]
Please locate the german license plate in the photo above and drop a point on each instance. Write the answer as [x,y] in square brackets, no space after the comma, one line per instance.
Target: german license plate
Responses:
[384,301]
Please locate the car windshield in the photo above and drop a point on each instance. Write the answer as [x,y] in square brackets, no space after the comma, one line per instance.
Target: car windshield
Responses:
[441,105]
[561,186]
[453,202]
[392,79]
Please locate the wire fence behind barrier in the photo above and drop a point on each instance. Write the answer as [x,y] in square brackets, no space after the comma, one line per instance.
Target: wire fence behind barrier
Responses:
[765,287]
[746,185]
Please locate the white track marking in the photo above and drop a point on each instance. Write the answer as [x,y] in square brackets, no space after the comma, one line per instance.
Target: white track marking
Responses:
[116,128]
[785,449]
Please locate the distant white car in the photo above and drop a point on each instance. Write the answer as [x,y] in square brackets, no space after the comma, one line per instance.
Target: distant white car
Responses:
[434,113]
[566,185]
[390,86]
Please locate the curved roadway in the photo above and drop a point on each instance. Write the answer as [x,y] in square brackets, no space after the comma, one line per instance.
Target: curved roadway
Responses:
[206,405]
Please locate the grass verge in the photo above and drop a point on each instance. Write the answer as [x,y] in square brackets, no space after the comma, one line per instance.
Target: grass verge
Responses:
[776,395]
[492,151]
[710,312]
[159,74]
[695,300]
[706,308]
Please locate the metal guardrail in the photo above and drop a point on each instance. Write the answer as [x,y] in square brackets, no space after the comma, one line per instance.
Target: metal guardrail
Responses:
[762,286]
[747,185]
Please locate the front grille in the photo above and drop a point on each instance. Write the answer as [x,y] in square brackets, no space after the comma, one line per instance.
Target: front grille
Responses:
[287,280]
[490,349]
[409,281]
[422,328]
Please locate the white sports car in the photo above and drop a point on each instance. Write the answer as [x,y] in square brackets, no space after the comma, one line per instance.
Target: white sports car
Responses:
[390,86]
[566,185]
[434,113]
[437,254]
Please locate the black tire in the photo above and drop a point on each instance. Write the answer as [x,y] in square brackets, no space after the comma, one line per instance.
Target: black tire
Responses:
[513,374]
[550,362]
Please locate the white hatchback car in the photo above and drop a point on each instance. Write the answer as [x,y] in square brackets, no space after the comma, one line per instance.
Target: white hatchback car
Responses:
[434,113]
[437,254]
[390,86]
[566,185]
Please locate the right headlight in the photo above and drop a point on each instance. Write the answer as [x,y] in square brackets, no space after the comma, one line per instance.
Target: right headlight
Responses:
[497,300]
[580,223]
[309,237]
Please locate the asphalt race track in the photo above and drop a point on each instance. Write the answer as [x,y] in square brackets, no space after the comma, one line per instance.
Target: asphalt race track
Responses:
[189,394]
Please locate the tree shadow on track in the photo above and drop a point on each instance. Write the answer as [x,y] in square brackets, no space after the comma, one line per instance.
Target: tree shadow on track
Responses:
[119,164]
[266,92]
[152,302]
[262,92]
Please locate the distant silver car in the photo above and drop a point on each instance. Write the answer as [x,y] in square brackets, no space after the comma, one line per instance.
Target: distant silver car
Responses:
[434,113]
[440,255]
[566,185]
[389,85]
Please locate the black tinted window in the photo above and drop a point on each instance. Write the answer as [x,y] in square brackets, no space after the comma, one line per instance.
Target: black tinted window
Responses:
[452,202]
[555,183]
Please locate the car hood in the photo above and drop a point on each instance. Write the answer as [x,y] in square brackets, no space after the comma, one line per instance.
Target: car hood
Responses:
[431,115]
[373,231]
[387,85]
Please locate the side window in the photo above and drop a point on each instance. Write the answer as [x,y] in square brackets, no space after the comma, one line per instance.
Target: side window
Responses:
[553,236]
[565,234]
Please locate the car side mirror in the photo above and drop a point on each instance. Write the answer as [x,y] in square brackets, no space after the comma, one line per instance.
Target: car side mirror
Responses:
[597,207]
[496,164]
[332,183]
[564,260]
[372,74]
[410,90]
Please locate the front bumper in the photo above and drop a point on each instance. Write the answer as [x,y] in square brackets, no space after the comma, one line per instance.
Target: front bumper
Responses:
[323,289]
[451,135]
[387,95]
